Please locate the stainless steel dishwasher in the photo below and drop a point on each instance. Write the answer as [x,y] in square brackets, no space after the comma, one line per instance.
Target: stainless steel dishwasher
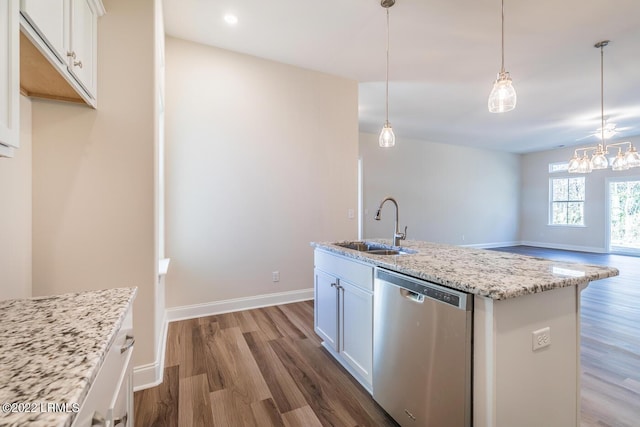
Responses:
[422,351]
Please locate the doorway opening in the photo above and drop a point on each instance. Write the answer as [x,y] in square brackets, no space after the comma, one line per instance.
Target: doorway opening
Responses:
[624,215]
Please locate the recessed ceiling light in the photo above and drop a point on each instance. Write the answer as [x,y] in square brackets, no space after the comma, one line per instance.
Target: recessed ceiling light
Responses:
[231,19]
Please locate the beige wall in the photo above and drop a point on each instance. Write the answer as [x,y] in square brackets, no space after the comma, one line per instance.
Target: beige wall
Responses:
[15,214]
[93,176]
[446,193]
[261,160]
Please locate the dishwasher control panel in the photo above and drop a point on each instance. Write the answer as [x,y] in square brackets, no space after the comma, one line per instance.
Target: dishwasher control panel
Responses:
[422,287]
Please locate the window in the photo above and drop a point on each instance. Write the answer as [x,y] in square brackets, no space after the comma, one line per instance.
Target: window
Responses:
[566,201]
[558,167]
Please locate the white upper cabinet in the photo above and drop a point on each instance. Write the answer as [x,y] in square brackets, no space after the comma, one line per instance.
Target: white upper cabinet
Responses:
[48,19]
[82,43]
[61,37]
[9,78]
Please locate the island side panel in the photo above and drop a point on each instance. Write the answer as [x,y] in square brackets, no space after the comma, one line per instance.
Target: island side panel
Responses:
[515,385]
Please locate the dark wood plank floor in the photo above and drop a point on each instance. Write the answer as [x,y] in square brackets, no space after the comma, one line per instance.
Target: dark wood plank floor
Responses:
[610,349]
[262,367]
[265,367]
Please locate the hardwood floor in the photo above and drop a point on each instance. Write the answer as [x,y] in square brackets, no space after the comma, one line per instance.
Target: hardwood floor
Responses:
[265,367]
[262,367]
[610,348]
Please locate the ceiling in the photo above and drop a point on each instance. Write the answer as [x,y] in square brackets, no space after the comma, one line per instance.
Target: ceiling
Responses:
[444,57]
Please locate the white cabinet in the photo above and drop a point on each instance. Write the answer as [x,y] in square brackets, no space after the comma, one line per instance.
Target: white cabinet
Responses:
[109,402]
[326,308]
[344,312]
[83,32]
[48,20]
[9,78]
[356,333]
[59,49]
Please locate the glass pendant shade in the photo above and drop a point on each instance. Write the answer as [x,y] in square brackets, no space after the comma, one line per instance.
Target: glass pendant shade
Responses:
[599,160]
[619,163]
[585,165]
[503,95]
[574,164]
[387,137]
[632,158]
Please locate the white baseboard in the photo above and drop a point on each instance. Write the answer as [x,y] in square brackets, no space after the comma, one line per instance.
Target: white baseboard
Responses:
[146,376]
[565,247]
[545,245]
[491,245]
[237,304]
[150,375]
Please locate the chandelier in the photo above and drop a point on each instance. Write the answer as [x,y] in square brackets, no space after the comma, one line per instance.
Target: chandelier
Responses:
[598,159]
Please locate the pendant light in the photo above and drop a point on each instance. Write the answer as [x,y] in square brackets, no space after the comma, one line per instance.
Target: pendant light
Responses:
[599,159]
[503,95]
[387,137]
[622,162]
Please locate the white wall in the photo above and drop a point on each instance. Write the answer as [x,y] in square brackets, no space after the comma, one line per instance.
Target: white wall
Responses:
[261,159]
[15,214]
[534,228]
[446,193]
[93,176]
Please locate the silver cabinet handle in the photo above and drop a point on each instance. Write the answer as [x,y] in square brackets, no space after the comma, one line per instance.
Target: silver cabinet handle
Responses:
[128,343]
[77,64]
[71,54]
[98,420]
[122,420]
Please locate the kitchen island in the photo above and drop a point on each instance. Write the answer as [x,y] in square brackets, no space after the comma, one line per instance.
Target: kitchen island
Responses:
[64,357]
[523,374]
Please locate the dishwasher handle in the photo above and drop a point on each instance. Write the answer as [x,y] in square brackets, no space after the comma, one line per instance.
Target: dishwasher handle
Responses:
[413,296]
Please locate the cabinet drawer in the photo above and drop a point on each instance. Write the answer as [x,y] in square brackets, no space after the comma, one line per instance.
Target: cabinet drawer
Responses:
[350,270]
[107,383]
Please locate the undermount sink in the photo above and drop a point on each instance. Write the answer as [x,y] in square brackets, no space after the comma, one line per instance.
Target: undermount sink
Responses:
[375,248]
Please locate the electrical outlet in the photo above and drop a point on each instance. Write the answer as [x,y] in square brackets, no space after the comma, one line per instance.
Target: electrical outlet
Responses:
[541,338]
[275,276]
[351,214]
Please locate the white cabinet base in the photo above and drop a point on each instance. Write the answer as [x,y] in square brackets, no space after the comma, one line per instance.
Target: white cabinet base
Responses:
[366,384]
[110,397]
[343,313]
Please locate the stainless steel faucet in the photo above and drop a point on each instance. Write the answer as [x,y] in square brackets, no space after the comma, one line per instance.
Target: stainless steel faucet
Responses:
[397,235]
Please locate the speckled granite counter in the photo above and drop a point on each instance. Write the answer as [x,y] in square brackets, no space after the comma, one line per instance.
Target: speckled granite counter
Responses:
[492,274]
[51,349]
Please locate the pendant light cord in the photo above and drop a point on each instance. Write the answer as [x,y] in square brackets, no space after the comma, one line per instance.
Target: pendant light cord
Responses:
[387,77]
[602,91]
[502,68]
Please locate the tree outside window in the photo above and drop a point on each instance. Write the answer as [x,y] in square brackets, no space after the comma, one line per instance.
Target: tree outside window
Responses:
[567,201]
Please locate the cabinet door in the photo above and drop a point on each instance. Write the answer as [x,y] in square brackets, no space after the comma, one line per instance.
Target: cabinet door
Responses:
[108,394]
[326,308]
[9,77]
[47,17]
[356,332]
[121,412]
[82,36]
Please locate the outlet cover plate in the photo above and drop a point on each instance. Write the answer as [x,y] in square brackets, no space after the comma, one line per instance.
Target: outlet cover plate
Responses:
[541,338]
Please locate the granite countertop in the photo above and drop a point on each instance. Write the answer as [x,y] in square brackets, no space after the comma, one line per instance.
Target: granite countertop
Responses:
[51,349]
[491,274]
